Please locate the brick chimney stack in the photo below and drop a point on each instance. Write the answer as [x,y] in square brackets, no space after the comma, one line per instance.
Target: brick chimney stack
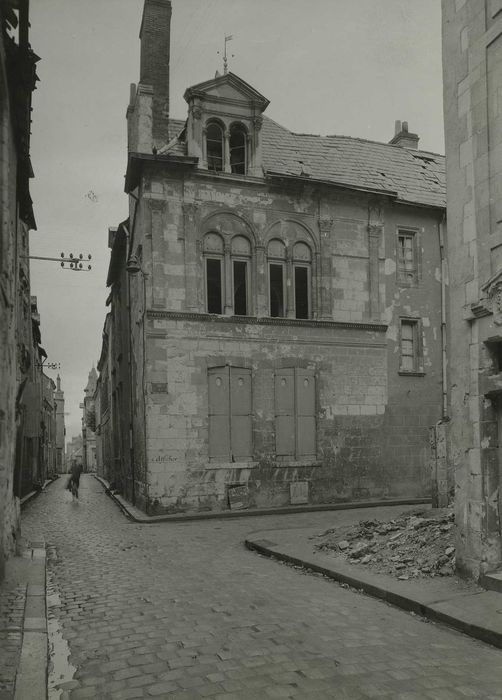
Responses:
[402,137]
[155,37]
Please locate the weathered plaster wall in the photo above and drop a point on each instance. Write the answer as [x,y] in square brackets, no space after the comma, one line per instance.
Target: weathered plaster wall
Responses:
[373,423]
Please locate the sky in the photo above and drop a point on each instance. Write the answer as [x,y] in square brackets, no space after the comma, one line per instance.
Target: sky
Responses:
[348,67]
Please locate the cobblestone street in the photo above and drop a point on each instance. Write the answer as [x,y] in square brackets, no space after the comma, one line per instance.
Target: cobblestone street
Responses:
[184,611]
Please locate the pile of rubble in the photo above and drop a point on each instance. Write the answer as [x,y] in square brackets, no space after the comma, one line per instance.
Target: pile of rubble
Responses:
[414,545]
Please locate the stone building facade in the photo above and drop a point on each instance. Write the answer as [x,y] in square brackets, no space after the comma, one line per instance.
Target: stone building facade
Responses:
[283,295]
[89,423]
[472,61]
[17,82]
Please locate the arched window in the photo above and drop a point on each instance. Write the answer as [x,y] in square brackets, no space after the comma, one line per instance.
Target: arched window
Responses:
[238,149]
[276,254]
[214,147]
[302,269]
[213,262]
[241,256]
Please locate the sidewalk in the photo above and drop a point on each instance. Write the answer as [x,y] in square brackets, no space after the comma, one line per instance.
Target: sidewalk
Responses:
[450,600]
[23,626]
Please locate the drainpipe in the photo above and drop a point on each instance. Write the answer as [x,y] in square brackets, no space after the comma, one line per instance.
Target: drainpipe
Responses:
[443,316]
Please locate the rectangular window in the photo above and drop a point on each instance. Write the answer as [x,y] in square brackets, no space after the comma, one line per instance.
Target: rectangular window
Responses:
[295,422]
[407,269]
[301,292]
[240,288]
[213,286]
[411,352]
[276,285]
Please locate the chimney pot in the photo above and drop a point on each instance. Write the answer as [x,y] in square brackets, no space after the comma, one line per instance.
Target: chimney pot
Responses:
[397,127]
[405,126]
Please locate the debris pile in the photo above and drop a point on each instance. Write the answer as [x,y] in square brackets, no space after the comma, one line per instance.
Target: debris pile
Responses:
[414,545]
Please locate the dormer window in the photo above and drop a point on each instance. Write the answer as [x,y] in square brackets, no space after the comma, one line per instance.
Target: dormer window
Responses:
[214,146]
[238,149]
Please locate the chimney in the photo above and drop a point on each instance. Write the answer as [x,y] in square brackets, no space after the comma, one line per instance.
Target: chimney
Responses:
[402,136]
[154,62]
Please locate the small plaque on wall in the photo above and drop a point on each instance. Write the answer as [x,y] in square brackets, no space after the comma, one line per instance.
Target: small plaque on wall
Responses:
[159,387]
[299,492]
[238,497]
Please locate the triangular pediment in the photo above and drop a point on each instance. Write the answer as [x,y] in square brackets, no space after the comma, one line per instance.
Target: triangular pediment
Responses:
[227,88]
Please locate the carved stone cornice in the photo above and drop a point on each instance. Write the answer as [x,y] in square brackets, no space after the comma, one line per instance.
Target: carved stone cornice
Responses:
[264,320]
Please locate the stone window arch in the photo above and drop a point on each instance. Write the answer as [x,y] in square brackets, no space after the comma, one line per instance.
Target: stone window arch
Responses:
[213,251]
[276,259]
[238,140]
[302,279]
[240,252]
[215,146]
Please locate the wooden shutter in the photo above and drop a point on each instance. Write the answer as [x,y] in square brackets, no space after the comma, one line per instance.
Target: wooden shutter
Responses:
[240,419]
[285,413]
[305,414]
[219,413]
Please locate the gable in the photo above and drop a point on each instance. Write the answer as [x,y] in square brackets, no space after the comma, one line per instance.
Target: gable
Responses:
[228,87]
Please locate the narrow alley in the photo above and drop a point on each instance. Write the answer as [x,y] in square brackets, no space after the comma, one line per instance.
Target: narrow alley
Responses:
[184,611]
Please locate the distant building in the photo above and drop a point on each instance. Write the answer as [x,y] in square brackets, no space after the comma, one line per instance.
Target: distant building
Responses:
[472,62]
[17,82]
[89,424]
[276,304]
[74,451]
[60,428]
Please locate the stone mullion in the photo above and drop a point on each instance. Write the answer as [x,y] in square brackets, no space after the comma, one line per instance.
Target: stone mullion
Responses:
[325,270]
[226,152]
[261,295]
[290,285]
[227,273]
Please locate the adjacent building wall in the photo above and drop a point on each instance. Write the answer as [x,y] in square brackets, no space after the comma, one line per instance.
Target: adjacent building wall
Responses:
[472,61]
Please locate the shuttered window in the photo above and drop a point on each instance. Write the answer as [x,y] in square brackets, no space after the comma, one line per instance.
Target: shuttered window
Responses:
[230,405]
[295,423]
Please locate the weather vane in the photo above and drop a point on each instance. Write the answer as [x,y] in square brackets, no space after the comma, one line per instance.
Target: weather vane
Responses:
[228,37]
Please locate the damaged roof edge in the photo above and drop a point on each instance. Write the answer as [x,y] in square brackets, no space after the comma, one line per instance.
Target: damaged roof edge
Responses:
[330,183]
[135,161]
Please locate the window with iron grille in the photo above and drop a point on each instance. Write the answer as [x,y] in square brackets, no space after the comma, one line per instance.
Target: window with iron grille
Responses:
[411,354]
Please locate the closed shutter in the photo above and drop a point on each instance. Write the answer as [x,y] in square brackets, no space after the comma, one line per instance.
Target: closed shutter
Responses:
[240,419]
[285,413]
[219,413]
[230,405]
[305,411]
[295,422]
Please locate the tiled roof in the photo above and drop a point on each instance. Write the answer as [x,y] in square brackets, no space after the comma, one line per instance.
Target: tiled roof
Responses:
[415,176]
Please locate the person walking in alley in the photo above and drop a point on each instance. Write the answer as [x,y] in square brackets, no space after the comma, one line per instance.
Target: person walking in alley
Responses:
[74,480]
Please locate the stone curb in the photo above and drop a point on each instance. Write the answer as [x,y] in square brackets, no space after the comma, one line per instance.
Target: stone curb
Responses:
[33,494]
[138,517]
[483,633]
[31,676]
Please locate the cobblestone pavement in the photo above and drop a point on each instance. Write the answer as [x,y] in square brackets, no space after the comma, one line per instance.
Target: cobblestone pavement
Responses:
[184,611]
[12,602]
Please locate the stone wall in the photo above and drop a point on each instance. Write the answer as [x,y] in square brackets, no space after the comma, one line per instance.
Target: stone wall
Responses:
[372,419]
[472,61]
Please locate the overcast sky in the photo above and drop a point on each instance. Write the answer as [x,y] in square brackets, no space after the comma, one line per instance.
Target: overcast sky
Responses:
[348,67]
